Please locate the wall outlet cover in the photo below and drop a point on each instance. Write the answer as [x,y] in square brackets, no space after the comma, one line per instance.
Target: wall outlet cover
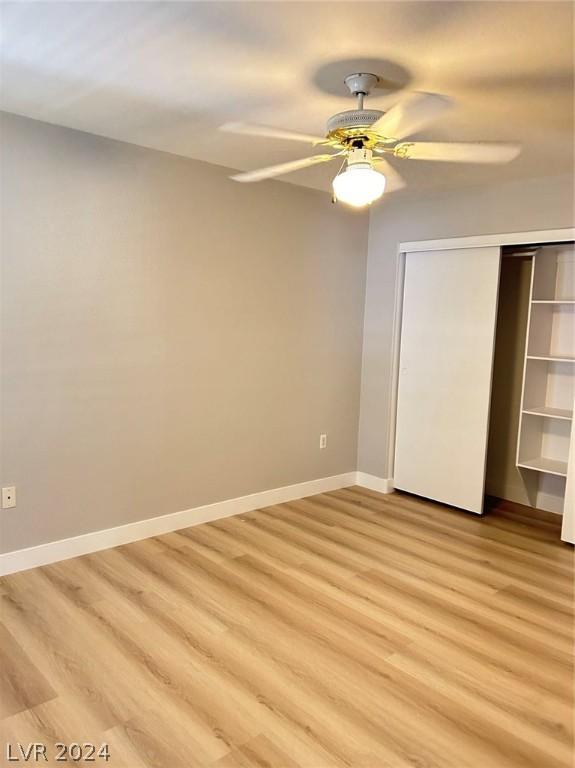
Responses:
[9,497]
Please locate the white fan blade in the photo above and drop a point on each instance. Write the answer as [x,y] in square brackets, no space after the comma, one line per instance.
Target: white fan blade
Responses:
[411,114]
[458,152]
[278,170]
[252,129]
[393,180]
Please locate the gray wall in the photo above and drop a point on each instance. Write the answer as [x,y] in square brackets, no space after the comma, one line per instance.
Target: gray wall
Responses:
[512,207]
[170,338]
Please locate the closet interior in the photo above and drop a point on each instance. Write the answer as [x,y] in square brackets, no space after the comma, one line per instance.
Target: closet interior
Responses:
[533,384]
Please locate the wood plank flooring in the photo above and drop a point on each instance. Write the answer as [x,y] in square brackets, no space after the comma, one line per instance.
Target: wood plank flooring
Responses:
[346,629]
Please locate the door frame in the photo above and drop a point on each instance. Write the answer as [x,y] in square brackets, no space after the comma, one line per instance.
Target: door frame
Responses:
[535,237]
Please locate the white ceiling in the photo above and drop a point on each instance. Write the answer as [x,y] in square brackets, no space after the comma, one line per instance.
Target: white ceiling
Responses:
[165,75]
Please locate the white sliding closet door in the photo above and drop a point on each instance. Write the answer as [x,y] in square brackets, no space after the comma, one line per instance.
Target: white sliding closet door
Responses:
[446,360]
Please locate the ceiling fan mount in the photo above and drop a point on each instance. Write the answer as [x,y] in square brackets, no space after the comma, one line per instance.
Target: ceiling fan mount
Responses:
[361,83]
[374,131]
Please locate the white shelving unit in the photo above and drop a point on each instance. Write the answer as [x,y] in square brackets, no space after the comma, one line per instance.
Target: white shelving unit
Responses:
[549,466]
[548,394]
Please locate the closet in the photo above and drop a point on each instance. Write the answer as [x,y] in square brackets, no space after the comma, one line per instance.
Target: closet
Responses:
[486,374]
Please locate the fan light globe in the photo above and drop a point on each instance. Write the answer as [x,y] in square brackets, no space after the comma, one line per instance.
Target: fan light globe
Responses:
[359,185]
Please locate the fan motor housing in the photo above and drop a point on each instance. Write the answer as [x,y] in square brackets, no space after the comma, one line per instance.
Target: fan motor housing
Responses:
[353,118]
[352,124]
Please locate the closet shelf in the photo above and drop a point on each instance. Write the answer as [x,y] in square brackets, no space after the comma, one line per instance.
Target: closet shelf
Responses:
[552,358]
[543,464]
[554,413]
[553,301]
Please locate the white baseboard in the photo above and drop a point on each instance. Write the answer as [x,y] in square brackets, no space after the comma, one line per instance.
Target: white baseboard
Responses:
[374,483]
[43,554]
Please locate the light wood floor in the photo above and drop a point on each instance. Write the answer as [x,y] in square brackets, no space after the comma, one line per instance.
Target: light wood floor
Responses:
[347,629]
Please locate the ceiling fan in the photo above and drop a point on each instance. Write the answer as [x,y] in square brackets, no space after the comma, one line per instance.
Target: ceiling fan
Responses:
[363,136]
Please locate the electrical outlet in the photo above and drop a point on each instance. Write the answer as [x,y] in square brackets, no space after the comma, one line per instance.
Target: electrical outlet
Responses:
[322,442]
[9,497]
